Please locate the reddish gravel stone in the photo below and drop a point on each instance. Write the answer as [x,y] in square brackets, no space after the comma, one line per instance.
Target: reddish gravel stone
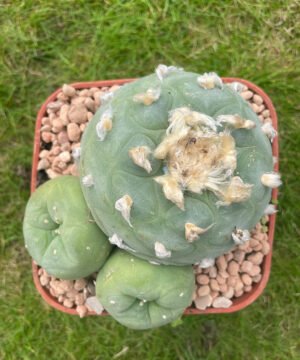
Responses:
[214,285]
[203,302]
[203,290]
[221,263]
[246,266]
[256,258]
[233,268]
[82,310]
[73,131]
[221,302]
[68,90]
[246,279]
[77,113]
[202,279]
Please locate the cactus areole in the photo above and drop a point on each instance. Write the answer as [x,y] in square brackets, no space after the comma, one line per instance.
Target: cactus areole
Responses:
[176,164]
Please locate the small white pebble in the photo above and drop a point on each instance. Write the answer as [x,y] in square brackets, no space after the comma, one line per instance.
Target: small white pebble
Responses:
[181,294]
[112,302]
[94,304]
[46,221]
[206,263]
[164,316]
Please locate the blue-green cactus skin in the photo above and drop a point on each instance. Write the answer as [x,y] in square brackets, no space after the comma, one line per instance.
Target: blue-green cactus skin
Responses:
[153,217]
[140,295]
[60,233]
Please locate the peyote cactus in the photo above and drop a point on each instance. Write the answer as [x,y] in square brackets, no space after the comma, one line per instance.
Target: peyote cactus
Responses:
[60,233]
[176,168]
[140,295]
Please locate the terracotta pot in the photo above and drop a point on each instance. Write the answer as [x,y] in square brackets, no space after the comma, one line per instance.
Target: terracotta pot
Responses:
[238,303]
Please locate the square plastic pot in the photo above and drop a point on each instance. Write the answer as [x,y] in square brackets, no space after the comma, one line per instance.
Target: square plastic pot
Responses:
[238,303]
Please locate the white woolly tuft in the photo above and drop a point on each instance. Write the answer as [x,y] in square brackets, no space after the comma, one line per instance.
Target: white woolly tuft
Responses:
[105,124]
[268,129]
[237,86]
[117,241]
[88,180]
[206,263]
[161,251]
[210,81]
[76,153]
[182,119]
[235,121]
[124,205]
[271,180]
[240,236]
[149,97]
[106,97]
[270,209]
[163,71]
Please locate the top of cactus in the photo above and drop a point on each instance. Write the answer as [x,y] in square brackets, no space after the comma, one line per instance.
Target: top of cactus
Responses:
[179,167]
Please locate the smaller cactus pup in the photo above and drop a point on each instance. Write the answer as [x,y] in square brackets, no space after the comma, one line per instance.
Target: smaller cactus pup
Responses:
[141,295]
[59,231]
[179,167]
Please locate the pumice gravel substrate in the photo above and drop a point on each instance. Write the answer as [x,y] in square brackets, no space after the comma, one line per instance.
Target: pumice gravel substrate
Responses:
[232,274]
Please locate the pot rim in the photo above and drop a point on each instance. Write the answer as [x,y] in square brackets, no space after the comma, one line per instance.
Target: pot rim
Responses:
[238,303]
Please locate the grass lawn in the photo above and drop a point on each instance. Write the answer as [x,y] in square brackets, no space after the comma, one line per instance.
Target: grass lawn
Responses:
[44,44]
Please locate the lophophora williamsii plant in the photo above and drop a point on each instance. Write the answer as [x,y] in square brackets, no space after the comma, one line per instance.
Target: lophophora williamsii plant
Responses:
[175,169]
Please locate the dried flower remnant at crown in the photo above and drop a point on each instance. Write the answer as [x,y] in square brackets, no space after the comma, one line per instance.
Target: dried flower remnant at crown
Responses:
[198,158]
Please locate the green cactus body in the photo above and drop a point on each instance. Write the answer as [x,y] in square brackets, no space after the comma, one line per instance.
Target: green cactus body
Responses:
[59,232]
[140,295]
[142,143]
